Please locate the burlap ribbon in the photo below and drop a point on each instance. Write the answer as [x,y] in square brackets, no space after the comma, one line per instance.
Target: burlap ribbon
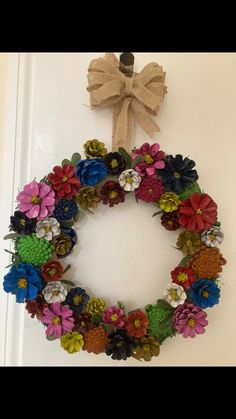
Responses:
[138,96]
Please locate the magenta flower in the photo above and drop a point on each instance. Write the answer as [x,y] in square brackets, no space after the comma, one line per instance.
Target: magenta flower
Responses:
[59,320]
[115,316]
[153,159]
[36,200]
[190,320]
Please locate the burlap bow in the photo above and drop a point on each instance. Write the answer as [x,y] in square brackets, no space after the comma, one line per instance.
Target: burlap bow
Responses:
[139,95]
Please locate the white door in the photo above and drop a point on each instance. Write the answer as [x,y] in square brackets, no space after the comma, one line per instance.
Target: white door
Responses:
[123,254]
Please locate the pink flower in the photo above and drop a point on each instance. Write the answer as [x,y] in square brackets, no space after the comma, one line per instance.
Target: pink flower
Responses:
[36,200]
[58,320]
[115,316]
[190,320]
[153,159]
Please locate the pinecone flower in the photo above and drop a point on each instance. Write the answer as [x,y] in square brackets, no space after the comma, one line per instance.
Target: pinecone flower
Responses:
[21,224]
[212,237]
[188,242]
[155,315]
[120,345]
[146,348]
[170,220]
[169,202]
[65,210]
[35,307]
[88,197]
[72,342]
[115,163]
[94,148]
[34,250]
[82,323]
[150,189]
[207,262]
[111,193]
[95,340]
[95,306]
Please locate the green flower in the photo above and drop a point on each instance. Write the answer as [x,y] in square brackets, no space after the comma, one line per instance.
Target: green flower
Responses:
[72,342]
[33,250]
[155,316]
[94,148]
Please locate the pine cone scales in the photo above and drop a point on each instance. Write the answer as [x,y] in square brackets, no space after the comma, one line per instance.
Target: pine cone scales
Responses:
[146,348]
[207,262]
[88,197]
[95,340]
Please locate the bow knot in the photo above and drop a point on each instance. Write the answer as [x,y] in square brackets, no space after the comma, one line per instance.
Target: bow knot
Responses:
[138,96]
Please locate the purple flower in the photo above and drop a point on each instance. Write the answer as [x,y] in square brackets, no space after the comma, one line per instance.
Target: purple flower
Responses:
[115,316]
[153,159]
[59,320]
[36,200]
[190,320]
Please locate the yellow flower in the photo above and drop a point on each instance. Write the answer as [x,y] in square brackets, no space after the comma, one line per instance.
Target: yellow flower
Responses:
[96,306]
[72,342]
[169,202]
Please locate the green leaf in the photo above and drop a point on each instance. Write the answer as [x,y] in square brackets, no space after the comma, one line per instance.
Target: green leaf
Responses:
[66,282]
[96,319]
[66,223]
[76,216]
[157,213]
[75,158]
[91,212]
[120,305]
[167,321]
[64,162]
[164,305]
[136,198]
[138,160]
[51,337]
[109,328]
[184,261]
[10,236]
[126,156]
[188,192]
[45,180]
[66,269]
[217,223]
[8,251]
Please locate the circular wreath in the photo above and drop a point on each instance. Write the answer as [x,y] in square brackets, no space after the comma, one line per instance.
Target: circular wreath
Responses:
[42,231]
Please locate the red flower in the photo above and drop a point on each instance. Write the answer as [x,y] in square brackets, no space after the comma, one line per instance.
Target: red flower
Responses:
[170,220]
[198,213]
[111,193]
[35,307]
[150,189]
[51,271]
[136,324]
[183,276]
[63,181]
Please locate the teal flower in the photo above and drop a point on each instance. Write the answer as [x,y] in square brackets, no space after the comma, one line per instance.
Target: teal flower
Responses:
[24,281]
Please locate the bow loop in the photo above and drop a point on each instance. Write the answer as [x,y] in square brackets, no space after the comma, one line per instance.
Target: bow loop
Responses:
[138,96]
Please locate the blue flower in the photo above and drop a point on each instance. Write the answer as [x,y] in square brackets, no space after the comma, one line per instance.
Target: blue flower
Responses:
[204,293]
[65,210]
[91,171]
[24,281]
[77,299]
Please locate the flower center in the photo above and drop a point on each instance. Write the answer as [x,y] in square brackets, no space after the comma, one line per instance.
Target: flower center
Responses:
[56,293]
[173,294]
[137,323]
[64,179]
[205,294]
[22,283]
[113,194]
[150,191]
[36,200]
[47,229]
[114,317]
[198,211]
[188,243]
[182,277]
[148,159]
[170,222]
[56,321]
[66,209]
[129,179]
[177,175]
[212,237]
[22,222]
[191,323]
[114,163]
[52,272]
[77,299]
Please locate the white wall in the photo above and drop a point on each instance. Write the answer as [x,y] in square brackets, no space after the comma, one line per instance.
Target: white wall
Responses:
[124,253]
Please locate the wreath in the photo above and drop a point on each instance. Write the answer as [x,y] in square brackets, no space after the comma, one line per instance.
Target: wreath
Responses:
[42,231]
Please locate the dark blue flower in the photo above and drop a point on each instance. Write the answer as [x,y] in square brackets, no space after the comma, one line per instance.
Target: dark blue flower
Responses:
[77,299]
[65,210]
[24,281]
[204,293]
[91,171]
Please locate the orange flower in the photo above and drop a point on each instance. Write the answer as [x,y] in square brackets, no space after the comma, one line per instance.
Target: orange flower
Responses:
[136,324]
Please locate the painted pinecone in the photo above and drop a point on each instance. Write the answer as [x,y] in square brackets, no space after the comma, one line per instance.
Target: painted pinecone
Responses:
[95,148]
[88,197]
[207,262]
[95,306]
[120,346]
[146,348]
[95,340]
[155,315]
[34,250]
[83,323]
[189,242]
[65,209]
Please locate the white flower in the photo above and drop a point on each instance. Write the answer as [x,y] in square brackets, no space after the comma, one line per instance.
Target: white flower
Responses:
[48,228]
[212,237]
[54,292]
[129,180]
[174,294]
